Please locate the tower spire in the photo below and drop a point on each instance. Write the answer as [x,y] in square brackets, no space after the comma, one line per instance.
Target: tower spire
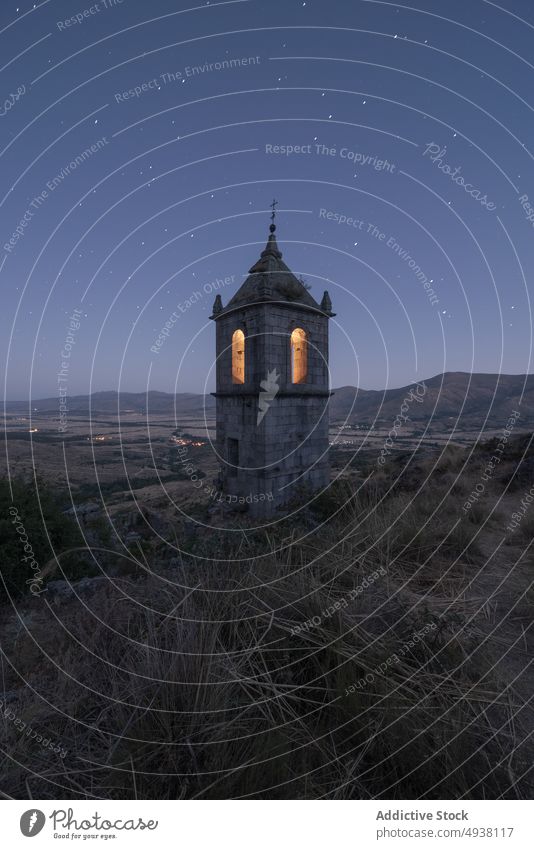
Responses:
[272,247]
[273,214]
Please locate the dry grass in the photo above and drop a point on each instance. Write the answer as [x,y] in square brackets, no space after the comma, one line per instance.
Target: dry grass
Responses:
[201,680]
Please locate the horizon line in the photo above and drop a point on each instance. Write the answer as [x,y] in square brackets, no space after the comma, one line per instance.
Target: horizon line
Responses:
[205,394]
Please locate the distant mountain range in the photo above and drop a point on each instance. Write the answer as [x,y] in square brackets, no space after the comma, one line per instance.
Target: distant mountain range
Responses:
[185,403]
[473,397]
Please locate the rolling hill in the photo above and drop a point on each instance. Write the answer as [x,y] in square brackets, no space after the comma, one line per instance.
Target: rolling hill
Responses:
[474,398]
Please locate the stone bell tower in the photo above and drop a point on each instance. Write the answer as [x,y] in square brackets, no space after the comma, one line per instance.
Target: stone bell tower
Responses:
[272,388]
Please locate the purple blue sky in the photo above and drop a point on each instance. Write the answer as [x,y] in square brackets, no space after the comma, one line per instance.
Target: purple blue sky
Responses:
[175,193]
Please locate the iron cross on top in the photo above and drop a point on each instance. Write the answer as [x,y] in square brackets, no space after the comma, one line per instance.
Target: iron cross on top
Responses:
[273,207]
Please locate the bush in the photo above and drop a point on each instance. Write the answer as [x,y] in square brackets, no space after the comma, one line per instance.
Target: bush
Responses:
[48,531]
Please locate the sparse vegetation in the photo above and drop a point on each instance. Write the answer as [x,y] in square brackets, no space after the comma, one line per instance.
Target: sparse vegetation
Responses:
[36,509]
[234,667]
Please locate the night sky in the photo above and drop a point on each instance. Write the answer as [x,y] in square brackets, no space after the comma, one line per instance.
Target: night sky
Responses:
[142,144]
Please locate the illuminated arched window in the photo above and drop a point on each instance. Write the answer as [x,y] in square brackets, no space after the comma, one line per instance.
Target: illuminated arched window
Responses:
[238,357]
[299,356]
